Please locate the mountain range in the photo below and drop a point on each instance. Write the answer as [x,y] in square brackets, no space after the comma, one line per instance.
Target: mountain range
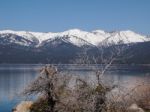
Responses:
[64,47]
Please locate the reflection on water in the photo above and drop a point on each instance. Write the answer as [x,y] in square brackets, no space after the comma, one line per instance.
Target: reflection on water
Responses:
[128,78]
[14,78]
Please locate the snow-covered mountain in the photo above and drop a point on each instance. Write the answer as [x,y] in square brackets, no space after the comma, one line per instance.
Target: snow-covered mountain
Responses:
[124,37]
[75,36]
[65,47]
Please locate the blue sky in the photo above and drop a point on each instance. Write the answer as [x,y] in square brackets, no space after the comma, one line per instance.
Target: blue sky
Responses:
[60,15]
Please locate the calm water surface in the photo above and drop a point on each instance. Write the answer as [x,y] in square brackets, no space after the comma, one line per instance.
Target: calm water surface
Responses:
[14,78]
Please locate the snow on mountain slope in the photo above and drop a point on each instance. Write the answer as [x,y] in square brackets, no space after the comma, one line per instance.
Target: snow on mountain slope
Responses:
[88,37]
[24,34]
[76,37]
[67,39]
[124,37]
[19,37]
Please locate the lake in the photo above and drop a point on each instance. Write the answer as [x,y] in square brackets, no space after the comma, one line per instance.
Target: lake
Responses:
[14,78]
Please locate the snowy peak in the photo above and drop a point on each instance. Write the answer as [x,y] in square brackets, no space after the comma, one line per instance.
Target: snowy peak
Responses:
[22,38]
[73,36]
[73,32]
[99,32]
[125,37]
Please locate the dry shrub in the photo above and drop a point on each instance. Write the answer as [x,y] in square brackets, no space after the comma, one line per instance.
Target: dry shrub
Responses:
[56,94]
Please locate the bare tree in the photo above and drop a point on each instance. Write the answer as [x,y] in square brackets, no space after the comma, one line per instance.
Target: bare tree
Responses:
[103,61]
[44,84]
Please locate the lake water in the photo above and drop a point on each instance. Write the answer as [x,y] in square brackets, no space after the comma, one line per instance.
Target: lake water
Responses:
[14,78]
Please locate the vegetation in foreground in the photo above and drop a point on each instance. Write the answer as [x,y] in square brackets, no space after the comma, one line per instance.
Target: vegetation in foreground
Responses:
[58,92]
[64,93]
